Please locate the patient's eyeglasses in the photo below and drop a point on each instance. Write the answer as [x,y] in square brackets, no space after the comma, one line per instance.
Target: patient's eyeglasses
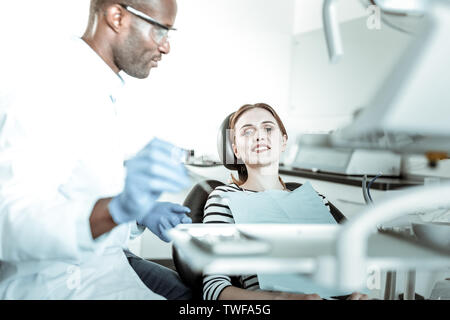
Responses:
[159,31]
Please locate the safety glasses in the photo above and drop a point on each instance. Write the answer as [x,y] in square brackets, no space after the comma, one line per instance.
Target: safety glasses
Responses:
[159,31]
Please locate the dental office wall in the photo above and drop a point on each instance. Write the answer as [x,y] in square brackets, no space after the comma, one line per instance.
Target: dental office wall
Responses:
[324,96]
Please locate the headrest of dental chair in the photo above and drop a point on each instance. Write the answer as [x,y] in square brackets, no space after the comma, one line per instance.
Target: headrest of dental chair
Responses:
[224,147]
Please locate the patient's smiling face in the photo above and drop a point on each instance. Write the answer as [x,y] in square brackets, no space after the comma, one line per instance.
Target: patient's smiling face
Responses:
[258,138]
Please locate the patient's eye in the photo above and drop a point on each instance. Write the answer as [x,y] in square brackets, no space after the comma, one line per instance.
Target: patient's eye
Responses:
[269,128]
[248,132]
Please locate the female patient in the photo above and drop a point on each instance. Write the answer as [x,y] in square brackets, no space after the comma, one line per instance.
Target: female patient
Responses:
[259,137]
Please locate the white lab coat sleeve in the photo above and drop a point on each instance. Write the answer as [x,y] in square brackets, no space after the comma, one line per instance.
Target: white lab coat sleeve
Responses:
[37,221]
[37,231]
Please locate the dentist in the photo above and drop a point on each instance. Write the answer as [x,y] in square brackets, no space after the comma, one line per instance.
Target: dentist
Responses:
[67,205]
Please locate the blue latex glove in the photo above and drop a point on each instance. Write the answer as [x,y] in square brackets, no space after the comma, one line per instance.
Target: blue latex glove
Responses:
[155,169]
[165,216]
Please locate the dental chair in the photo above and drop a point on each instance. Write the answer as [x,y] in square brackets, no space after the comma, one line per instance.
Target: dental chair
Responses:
[196,200]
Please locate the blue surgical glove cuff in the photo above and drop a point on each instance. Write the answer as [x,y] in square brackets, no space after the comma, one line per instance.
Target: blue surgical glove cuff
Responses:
[121,212]
[117,212]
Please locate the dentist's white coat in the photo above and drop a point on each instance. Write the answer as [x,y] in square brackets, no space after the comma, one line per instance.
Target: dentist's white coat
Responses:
[60,151]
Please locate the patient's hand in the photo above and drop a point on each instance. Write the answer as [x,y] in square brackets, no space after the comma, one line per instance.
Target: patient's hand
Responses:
[358,296]
[296,296]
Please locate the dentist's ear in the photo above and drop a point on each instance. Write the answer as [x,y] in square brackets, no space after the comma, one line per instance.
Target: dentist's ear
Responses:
[114,17]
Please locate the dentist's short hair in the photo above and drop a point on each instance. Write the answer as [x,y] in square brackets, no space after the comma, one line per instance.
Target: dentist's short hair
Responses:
[99,5]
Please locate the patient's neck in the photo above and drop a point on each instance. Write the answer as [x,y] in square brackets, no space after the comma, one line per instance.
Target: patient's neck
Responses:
[261,178]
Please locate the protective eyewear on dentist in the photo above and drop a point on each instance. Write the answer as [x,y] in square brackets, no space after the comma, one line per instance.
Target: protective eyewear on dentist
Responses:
[160,32]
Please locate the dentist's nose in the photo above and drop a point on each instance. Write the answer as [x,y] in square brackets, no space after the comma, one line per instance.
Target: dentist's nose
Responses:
[164,47]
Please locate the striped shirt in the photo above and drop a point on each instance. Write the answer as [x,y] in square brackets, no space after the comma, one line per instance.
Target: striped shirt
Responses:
[217,211]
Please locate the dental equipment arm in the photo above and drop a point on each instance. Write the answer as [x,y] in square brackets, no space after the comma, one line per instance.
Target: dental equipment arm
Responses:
[331,29]
[331,23]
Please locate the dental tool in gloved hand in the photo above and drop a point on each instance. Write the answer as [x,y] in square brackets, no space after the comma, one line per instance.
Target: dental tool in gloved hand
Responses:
[152,171]
[186,157]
